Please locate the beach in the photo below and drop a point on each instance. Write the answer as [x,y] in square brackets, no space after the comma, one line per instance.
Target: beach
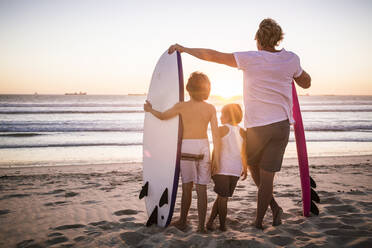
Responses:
[98,206]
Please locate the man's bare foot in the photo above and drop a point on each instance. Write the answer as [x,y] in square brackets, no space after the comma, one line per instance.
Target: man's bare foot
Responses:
[180,225]
[257,225]
[277,217]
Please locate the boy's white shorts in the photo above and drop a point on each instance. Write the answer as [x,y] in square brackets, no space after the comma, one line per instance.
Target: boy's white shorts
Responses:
[198,172]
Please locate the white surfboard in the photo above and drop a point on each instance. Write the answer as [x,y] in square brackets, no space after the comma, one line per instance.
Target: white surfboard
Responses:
[162,141]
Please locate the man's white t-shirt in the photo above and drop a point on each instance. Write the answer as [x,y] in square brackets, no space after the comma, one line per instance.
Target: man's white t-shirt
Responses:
[267,87]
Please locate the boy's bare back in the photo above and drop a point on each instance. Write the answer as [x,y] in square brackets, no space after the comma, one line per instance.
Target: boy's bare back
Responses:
[195,118]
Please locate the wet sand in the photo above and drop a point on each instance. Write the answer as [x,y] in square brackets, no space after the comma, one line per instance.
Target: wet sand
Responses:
[98,206]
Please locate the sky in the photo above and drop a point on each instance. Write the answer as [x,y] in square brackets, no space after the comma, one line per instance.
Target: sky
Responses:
[111,47]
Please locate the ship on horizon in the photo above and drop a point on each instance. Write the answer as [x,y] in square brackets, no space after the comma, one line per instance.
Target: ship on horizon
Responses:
[76,93]
[136,94]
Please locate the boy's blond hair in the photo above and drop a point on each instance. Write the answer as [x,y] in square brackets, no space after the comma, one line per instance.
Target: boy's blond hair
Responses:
[198,86]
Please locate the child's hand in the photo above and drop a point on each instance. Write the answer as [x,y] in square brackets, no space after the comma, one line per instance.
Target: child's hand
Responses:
[244,174]
[147,106]
[214,170]
[215,167]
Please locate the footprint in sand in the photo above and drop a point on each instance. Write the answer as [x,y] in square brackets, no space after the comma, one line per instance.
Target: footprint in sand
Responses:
[55,234]
[281,240]
[296,222]
[367,205]
[326,225]
[57,191]
[303,239]
[65,227]
[4,211]
[57,203]
[71,194]
[103,222]
[125,212]
[127,219]
[355,192]
[112,226]
[82,238]
[331,200]
[361,242]
[342,209]
[132,238]
[274,231]
[239,243]
[352,221]
[14,196]
[107,189]
[93,233]
[90,202]
[288,195]
[27,243]
[295,232]
[56,240]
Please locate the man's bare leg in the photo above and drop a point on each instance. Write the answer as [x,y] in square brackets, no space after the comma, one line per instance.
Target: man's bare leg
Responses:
[264,196]
[201,191]
[275,208]
[185,205]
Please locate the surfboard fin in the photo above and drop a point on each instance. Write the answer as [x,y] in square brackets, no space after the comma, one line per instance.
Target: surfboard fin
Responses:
[314,209]
[314,196]
[164,198]
[144,190]
[153,219]
[312,183]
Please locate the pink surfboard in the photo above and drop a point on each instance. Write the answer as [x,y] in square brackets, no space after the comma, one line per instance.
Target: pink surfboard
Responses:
[307,193]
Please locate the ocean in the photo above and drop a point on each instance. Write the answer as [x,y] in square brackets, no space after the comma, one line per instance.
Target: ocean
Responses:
[48,130]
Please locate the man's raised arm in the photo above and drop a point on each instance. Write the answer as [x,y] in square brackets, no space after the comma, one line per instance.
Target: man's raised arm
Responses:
[206,54]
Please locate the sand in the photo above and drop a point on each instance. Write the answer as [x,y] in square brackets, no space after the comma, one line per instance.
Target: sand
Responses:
[98,206]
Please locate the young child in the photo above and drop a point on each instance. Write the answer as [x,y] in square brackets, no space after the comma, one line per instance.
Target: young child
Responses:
[232,162]
[195,165]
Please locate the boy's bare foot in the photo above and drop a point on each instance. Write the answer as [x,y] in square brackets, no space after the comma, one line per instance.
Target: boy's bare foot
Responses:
[202,230]
[180,225]
[277,217]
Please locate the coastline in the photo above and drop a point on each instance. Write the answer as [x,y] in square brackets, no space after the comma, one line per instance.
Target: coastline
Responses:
[98,205]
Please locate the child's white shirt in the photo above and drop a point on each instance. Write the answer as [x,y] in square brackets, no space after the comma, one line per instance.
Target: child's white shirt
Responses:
[231,160]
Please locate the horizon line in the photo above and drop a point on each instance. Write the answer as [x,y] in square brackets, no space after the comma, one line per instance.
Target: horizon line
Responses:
[144,94]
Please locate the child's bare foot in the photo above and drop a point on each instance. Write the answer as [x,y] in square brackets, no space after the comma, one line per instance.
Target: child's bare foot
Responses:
[222,228]
[277,217]
[210,226]
[202,230]
[180,225]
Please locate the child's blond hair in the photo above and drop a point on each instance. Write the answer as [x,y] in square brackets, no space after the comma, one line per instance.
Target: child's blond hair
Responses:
[234,111]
